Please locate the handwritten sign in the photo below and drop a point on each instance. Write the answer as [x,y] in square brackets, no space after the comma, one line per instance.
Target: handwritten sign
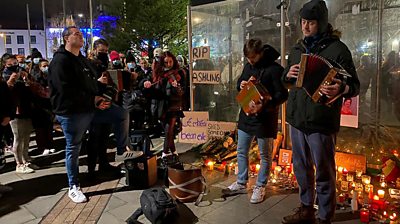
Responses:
[351,162]
[206,77]
[194,127]
[201,52]
[285,157]
[218,129]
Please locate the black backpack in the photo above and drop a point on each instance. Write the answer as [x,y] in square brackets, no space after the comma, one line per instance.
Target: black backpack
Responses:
[156,205]
[141,141]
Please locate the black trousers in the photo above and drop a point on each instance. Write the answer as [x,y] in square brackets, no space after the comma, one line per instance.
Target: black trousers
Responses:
[97,145]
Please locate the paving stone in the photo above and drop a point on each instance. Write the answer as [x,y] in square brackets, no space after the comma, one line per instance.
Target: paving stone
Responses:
[107,218]
[132,196]
[123,212]
[35,221]
[40,206]
[21,215]
[114,202]
[9,177]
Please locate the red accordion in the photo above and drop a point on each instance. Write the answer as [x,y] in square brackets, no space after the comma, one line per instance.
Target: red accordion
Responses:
[316,71]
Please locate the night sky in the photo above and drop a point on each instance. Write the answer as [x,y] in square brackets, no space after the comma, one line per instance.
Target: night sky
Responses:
[13,12]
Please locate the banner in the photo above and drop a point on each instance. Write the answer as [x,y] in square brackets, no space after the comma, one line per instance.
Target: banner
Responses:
[206,77]
[194,127]
[201,53]
[218,129]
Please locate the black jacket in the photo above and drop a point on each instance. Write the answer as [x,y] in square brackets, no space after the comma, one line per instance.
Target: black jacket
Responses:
[302,112]
[265,124]
[7,108]
[72,82]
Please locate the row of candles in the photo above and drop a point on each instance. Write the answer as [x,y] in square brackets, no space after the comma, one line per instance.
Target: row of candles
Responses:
[375,206]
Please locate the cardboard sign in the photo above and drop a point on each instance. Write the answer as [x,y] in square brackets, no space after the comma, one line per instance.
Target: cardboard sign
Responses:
[218,129]
[194,127]
[201,52]
[285,157]
[351,162]
[206,77]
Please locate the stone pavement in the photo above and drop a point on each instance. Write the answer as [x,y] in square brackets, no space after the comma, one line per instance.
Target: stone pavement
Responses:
[40,197]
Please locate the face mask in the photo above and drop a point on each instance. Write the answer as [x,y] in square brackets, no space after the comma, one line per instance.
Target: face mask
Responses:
[28,61]
[22,65]
[12,68]
[116,62]
[131,65]
[166,69]
[45,70]
[103,57]
[36,61]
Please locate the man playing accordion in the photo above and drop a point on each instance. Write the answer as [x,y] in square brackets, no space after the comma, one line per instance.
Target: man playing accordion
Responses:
[314,125]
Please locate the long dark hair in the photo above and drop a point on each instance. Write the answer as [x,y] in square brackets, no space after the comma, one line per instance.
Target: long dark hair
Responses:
[158,66]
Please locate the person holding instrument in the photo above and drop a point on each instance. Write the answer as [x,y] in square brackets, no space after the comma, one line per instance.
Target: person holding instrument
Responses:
[313,126]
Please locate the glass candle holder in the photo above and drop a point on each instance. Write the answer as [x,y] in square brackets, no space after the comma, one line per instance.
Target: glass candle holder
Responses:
[344,186]
[350,177]
[359,187]
[381,194]
[364,215]
[359,174]
[366,179]
[368,188]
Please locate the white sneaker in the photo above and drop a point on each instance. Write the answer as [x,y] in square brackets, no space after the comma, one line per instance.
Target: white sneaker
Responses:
[128,155]
[5,188]
[46,152]
[23,169]
[163,155]
[235,188]
[76,195]
[258,194]
[32,166]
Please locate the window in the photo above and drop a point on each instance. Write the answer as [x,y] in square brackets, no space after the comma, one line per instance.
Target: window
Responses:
[33,39]
[20,39]
[8,39]
[9,50]
[21,51]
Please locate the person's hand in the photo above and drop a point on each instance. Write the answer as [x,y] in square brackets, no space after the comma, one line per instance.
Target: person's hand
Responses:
[244,83]
[102,103]
[174,83]
[103,79]
[147,84]
[333,90]
[5,121]
[293,71]
[13,79]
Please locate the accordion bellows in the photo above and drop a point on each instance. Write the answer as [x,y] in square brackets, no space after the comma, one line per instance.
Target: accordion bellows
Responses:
[316,71]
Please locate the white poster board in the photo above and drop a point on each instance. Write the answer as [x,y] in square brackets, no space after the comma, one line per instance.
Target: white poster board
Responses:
[206,77]
[194,127]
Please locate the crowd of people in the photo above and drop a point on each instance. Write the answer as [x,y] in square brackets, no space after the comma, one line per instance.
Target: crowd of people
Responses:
[80,94]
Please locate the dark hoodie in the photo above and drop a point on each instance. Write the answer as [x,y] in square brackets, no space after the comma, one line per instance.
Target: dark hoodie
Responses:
[72,82]
[265,124]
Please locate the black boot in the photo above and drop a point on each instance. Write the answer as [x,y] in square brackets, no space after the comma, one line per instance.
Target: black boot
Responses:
[303,214]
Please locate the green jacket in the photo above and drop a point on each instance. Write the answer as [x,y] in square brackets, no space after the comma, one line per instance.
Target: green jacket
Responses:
[302,113]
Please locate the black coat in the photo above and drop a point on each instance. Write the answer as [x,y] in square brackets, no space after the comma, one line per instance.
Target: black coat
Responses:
[265,124]
[302,112]
[72,82]
[7,108]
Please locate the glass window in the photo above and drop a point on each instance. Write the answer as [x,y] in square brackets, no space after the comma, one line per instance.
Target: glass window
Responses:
[20,39]
[8,39]
[33,39]
[21,51]
[9,50]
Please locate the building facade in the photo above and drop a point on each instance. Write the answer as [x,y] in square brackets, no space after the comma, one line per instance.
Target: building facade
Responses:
[18,41]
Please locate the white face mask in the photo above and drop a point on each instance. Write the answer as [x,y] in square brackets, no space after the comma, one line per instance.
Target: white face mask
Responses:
[116,62]
[36,61]
[45,70]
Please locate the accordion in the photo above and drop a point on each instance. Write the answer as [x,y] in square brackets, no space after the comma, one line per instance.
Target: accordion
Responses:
[116,76]
[252,97]
[316,71]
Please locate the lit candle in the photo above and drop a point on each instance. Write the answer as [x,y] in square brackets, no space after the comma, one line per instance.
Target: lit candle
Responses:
[344,186]
[350,177]
[258,167]
[381,193]
[340,169]
[364,215]
[376,198]
[366,179]
[345,171]
[383,184]
[210,165]
[359,174]
[273,180]
[368,188]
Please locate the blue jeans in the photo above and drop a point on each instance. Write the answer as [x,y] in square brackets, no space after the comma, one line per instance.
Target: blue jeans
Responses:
[74,127]
[265,146]
[317,150]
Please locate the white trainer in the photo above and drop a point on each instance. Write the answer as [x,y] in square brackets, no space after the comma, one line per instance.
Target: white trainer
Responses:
[234,189]
[128,155]
[258,194]
[76,195]
[22,169]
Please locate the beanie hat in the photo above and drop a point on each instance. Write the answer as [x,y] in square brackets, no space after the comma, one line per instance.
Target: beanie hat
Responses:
[316,10]
[114,56]
[130,57]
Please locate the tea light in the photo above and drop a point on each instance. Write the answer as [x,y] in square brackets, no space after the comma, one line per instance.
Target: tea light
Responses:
[359,174]
[376,198]
[273,180]
[344,186]
[350,178]
[210,165]
[368,188]
[345,171]
[366,179]
[340,169]
[381,193]
[341,198]
[258,167]
[383,184]
[359,187]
